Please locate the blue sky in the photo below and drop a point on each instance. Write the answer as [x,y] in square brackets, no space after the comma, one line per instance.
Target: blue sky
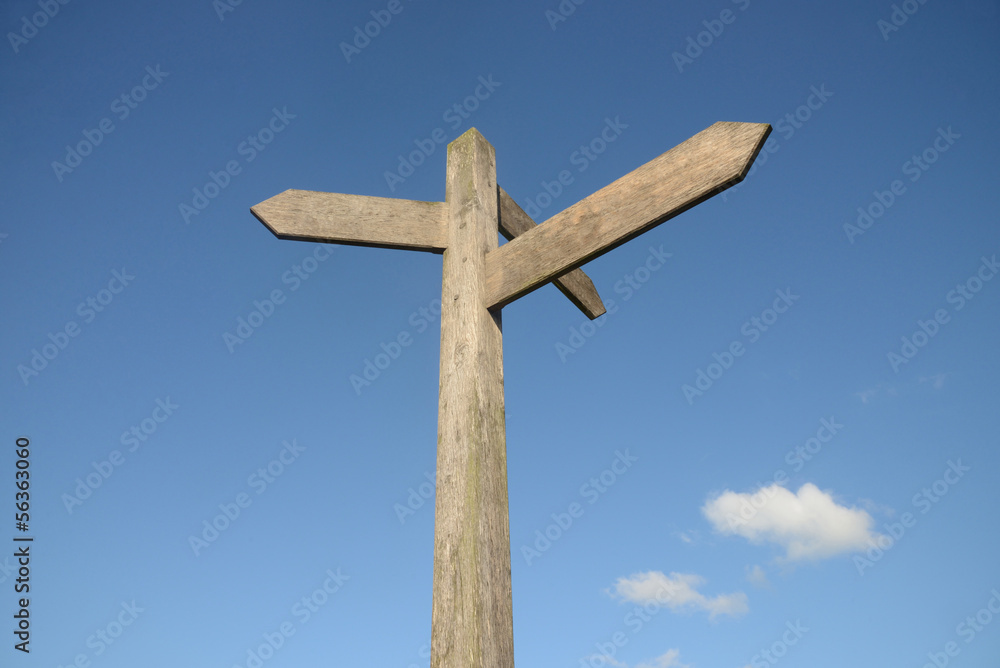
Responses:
[824,498]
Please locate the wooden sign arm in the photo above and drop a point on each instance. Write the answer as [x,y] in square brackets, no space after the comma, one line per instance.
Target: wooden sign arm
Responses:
[714,159]
[575,284]
[356,220]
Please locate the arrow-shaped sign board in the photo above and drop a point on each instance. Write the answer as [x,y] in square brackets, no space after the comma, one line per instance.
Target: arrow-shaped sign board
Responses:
[708,163]
[355,220]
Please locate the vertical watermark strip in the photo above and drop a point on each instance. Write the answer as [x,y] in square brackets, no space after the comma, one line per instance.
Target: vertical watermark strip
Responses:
[22,544]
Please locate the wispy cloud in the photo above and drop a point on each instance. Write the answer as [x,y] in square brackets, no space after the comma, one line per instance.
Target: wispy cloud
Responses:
[757,577]
[678,592]
[867,395]
[879,390]
[936,381]
[601,660]
[671,659]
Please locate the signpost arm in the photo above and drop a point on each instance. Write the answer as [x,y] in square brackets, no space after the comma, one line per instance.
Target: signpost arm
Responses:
[575,284]
[356,220]
[686,175]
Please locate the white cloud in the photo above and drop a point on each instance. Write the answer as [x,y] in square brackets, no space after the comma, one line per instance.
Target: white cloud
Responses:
[877,508]
[936,381]
[872,392]
[757,577]
[669,660]
[808,525]
[678,591]
[879,390]
[866,395]
[603,659]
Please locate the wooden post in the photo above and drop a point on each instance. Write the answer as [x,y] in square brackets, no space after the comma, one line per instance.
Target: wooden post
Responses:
[472,619]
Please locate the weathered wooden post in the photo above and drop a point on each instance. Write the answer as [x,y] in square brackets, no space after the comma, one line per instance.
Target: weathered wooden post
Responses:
[472,620]
[472,616]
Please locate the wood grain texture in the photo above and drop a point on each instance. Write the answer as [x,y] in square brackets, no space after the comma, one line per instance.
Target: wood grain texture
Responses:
[472,618]
[714,159]
[355,220]
[575,284]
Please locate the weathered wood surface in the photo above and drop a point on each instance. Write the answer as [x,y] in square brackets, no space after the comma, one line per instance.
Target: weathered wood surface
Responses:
[575,284]
[706,164]
[383,222]
[472,617]
[356,220]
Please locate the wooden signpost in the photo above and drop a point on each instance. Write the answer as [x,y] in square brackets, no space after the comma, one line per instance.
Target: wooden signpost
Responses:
[472,617]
